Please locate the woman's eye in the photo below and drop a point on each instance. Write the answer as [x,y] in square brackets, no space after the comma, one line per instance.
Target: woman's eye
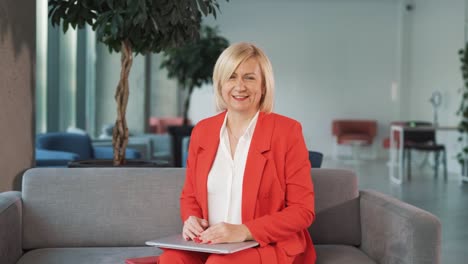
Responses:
[250,78]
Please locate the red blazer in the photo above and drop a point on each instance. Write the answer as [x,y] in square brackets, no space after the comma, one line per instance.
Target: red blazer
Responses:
[278,196]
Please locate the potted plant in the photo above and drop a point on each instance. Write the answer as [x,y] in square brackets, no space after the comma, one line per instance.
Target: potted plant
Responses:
[192,66]
[462,156]
[130,27]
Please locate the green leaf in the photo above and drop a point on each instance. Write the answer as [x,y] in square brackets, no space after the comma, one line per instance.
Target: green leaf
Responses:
[65,27]
[151,25]
[110,3]
[214,13]
[203,7]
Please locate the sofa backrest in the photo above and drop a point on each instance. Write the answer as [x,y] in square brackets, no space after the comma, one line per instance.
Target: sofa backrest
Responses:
[127,206]
[99,206]
[337,209]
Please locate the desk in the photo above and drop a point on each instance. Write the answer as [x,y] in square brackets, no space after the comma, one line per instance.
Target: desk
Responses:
[396,151]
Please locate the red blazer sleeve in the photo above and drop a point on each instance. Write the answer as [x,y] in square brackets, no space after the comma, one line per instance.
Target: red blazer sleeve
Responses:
[188,203]
[298,213]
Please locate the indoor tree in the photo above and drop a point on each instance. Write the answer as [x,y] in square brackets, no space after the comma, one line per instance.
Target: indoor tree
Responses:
[133,27]
[463,113]
[192,64]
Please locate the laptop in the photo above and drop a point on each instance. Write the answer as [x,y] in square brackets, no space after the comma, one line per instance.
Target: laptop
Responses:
[178,242]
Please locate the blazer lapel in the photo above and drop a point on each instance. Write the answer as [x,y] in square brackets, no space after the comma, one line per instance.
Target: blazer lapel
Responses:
[255,164]
[209,142]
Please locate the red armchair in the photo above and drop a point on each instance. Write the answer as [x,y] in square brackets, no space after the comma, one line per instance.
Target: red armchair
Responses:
[354,132]
[158,125]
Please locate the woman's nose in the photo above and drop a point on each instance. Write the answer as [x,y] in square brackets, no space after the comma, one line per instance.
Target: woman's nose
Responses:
[240,84]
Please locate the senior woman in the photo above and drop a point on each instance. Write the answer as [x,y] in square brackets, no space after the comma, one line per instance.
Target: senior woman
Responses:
[248,173]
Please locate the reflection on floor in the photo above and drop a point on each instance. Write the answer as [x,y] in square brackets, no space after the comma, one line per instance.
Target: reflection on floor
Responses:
[448,200]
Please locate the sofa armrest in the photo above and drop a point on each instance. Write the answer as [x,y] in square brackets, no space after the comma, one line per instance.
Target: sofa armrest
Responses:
[10,227]
[54,158]
[395,232]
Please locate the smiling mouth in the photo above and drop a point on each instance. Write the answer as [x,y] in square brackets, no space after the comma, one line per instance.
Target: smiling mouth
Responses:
[240,96]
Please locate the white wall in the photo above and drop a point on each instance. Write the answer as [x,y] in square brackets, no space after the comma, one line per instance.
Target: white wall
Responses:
[436,35]
[164,101]
[332,59]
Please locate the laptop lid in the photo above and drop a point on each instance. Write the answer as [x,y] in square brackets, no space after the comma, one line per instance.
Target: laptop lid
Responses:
[178,242]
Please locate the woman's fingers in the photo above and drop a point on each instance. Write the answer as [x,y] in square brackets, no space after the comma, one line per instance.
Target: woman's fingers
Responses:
[219,233]
[225,233]
[204,223]
[189,234]
[215,234]
[193,226]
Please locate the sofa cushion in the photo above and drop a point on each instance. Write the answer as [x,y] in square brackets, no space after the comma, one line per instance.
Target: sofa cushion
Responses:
[96,207]
[339,254]
[337,208]
[86,255]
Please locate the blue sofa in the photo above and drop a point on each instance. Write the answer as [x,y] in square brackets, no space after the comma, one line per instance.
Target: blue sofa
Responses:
[53,158]
[59,148]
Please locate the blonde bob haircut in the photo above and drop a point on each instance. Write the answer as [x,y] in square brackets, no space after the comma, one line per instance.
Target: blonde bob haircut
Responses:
[228,62]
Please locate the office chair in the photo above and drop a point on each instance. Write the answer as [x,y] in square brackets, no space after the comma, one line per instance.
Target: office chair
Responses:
[423,140]
[315,159]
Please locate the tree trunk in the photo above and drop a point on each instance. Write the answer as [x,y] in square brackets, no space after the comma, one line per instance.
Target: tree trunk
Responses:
[120,132]
[187,105]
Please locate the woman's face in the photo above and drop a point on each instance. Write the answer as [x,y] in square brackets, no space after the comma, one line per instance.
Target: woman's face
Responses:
[243,90]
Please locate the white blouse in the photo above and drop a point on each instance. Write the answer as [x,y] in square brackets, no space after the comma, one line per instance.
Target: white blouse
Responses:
[226,177]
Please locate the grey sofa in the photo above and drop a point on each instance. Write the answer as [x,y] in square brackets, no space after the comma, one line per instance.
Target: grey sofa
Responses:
[105,215]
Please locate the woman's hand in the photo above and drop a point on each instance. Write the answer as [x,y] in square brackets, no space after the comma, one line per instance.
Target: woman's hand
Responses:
[225,233]
[193,226]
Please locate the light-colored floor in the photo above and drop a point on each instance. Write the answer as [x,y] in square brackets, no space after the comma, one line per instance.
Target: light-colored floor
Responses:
[448,200]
